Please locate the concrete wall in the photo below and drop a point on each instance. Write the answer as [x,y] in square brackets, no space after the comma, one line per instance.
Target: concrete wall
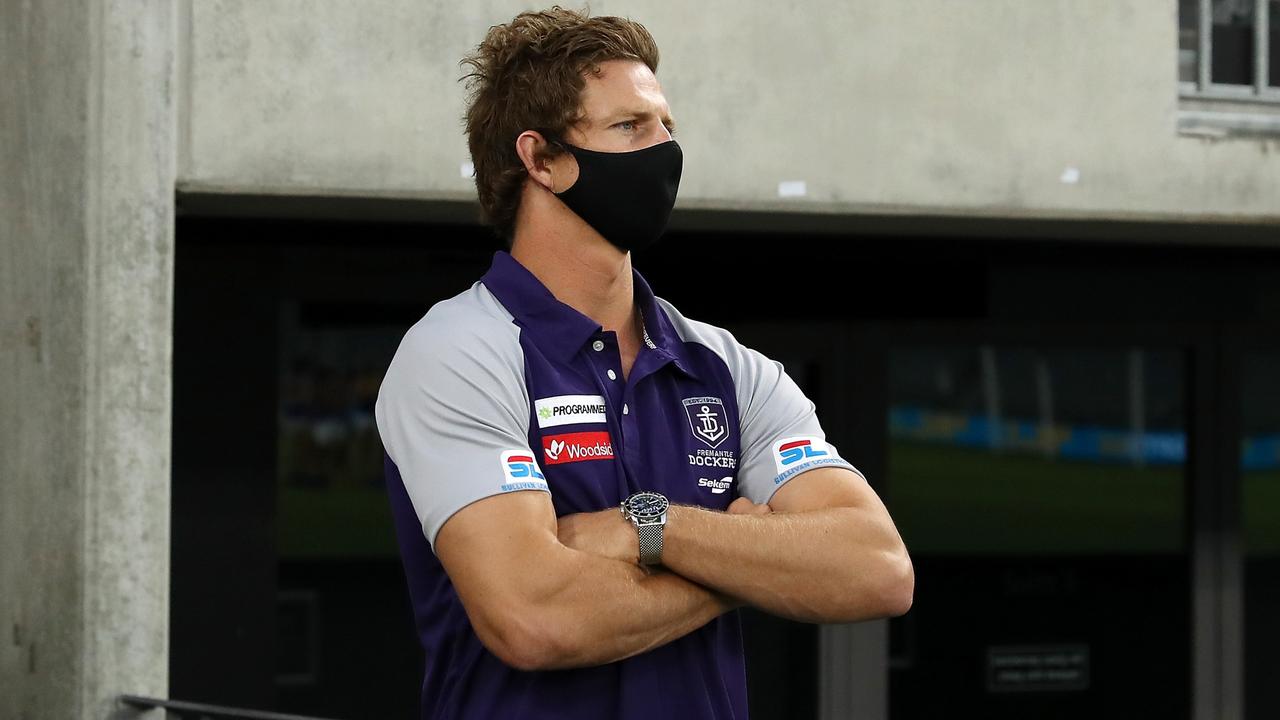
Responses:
[87,168]
[985,108]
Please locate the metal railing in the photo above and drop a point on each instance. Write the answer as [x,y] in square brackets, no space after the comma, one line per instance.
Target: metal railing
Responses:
[200,711]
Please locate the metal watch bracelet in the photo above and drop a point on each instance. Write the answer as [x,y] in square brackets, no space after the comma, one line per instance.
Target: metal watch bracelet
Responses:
[650,543]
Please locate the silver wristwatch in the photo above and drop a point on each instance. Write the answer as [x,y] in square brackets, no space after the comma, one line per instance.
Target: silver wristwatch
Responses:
[648,512]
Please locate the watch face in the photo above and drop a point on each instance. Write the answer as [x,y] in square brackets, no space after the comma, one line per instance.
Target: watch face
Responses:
[646,504]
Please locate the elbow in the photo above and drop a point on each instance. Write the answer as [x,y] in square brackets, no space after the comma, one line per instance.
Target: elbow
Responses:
[529,643]
[525,654]
[899,587]
[885,589]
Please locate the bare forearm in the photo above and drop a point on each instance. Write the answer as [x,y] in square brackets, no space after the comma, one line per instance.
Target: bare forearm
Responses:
[838,564]
[610,610]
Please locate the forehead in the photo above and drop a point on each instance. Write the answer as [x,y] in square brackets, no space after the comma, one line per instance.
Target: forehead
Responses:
[621,87]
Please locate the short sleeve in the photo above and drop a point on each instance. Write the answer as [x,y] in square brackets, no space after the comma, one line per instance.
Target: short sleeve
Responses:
[453,415]
[781,435]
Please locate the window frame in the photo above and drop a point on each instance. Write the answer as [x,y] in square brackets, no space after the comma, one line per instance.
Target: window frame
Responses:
[1261,91]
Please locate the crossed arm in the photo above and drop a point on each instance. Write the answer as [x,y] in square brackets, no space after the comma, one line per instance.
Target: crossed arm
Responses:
[538,604]
[827,553]
[824,550]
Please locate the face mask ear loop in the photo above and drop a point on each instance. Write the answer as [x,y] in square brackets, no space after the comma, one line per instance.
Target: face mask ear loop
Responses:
[550,139]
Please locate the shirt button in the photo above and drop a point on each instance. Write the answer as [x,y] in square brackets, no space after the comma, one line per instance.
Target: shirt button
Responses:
[613,375]
[597,345]
[625,410]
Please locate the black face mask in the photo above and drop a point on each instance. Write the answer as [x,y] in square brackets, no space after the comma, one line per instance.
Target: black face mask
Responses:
[626,197]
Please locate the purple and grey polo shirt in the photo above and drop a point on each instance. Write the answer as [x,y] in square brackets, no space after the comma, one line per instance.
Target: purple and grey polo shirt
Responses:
[502,389]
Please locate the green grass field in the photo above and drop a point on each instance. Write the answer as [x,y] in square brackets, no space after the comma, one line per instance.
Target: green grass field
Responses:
[1261,510]
[951,500]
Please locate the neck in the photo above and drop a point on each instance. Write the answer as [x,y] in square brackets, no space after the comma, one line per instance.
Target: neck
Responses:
[578,266]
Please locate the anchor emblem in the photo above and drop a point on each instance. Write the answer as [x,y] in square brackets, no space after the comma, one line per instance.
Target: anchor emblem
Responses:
[707,419]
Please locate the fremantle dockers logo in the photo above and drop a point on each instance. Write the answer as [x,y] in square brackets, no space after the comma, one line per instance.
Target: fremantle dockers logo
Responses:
[707,419]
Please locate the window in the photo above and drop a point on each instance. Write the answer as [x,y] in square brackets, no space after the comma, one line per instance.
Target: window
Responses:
[1229,49]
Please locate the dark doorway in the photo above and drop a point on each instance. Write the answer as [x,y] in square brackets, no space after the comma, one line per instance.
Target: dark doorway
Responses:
[287,592]
[1050,530]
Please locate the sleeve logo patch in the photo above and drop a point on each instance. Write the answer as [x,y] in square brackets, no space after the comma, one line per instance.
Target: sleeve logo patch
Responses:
[577,447]
[792,452]
[521,471]
[569,410]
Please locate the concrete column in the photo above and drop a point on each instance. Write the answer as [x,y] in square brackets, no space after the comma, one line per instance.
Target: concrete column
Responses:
[87,173]
[855,674]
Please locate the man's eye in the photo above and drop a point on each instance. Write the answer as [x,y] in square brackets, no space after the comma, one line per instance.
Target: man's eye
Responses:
[627,125]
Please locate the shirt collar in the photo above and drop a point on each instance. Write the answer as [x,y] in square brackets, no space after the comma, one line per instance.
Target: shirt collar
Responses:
[660,334]
[562,331]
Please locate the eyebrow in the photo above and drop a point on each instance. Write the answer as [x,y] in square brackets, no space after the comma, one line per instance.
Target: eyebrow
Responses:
[623,115]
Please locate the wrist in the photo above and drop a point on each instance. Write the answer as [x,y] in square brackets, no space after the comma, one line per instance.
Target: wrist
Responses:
[678,520]
[647,513]
[628,540]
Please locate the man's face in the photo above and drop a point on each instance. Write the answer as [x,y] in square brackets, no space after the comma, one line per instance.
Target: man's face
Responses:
[623,109]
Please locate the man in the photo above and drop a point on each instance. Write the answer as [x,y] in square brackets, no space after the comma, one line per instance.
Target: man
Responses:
[586,483]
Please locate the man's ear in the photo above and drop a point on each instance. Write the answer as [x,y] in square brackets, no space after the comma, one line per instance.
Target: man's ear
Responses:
[532,149]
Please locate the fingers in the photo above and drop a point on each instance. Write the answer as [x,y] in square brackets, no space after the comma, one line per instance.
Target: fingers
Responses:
[743,506]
